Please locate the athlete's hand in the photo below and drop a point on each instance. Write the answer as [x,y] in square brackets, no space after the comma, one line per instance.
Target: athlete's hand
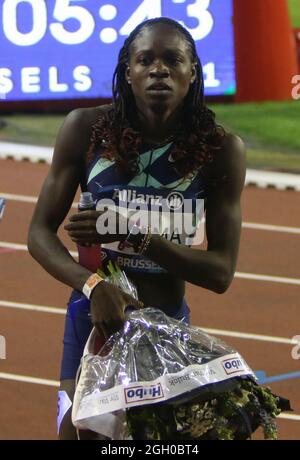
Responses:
[108,304]
[97,227]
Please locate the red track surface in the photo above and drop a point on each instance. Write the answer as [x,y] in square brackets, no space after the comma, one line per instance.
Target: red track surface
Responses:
[33,339]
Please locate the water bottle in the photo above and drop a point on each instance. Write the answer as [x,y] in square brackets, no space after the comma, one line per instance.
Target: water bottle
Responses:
[89,254]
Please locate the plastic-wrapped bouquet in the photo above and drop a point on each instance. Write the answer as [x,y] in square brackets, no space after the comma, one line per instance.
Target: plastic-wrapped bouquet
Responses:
[159,379]
[230,415]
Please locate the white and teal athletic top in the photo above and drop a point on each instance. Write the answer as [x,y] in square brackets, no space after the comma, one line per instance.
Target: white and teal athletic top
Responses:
[159,191]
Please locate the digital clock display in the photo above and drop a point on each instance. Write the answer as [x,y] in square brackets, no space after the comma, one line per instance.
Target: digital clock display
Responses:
[68,49]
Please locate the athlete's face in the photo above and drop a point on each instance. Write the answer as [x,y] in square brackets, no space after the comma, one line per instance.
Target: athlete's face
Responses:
[160,69]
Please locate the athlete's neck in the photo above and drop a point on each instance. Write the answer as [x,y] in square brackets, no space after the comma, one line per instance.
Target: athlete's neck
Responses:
[157,128]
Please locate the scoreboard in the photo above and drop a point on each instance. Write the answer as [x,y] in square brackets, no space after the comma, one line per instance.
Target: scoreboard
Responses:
[68,49]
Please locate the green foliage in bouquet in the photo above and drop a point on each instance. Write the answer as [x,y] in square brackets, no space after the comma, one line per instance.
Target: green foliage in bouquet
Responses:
[232,415]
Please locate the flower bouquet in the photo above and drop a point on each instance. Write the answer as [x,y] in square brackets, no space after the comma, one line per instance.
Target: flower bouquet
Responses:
[159,379]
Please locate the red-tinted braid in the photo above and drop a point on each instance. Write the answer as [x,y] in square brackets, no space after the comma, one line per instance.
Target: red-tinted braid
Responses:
[191,149]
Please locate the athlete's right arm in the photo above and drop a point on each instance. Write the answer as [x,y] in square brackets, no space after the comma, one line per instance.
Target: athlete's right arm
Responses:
[55,200]
[107,301]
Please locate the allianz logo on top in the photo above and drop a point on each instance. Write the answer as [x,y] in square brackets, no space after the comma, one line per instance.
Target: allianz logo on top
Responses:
[173,201]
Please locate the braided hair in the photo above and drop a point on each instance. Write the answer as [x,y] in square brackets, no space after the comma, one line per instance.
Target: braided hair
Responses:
[198,136]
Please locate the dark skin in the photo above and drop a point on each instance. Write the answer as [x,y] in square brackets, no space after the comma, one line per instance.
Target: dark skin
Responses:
[161,55]
[158,54]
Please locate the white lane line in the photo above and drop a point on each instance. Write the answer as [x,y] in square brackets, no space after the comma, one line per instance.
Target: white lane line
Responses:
[248,276]
[259,178]
[55,383]
[290,417]
[22,198]
[27,306]
[271,279]
[271,228]
[27,379]
[18,247]
[25,198]
[249,225]
[248,336]
[23,247]
[239,335]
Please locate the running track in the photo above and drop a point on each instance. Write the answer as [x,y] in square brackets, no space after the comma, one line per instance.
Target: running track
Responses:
[266,308]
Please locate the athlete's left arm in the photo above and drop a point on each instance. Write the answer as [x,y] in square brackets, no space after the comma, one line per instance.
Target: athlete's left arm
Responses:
[213,268]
